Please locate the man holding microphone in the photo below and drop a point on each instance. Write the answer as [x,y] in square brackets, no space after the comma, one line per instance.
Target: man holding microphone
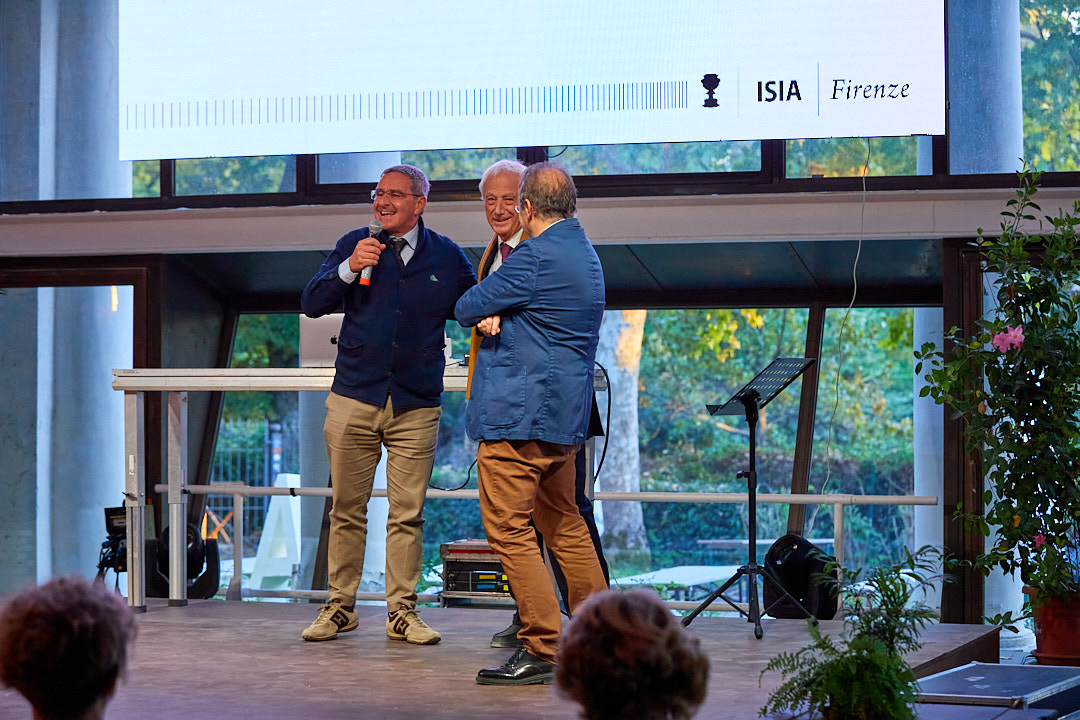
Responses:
[386,392]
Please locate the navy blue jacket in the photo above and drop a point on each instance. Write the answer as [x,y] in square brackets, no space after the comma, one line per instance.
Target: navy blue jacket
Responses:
[391,339]
[534,380]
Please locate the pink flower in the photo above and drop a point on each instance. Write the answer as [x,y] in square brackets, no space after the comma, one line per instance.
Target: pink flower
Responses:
[1013,337]
[1040,540]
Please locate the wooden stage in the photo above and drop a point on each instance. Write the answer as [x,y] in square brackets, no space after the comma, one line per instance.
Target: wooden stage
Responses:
[246,660]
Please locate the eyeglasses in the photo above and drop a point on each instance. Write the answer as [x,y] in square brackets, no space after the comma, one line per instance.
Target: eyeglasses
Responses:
[392,194]
[520,207]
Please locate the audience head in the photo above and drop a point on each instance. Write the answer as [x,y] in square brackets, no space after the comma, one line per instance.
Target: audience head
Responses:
[64,645]
[549,190]
[624,655]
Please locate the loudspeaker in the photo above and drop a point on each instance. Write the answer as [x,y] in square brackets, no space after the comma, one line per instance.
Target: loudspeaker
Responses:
[795,562]
[203,565]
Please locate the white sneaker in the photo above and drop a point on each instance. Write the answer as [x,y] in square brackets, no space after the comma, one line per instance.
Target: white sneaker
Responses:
[333,618]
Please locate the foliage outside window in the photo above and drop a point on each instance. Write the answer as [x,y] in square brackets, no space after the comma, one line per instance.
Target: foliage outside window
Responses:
[690,358]
[146,178]
[456,164]
[847,157]
[1050,68]
[236,175]
[652,158]
[694,357]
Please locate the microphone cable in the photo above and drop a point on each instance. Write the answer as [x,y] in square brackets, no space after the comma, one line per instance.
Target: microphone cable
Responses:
[603,453]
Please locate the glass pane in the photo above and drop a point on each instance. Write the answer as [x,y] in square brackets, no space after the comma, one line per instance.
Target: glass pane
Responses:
[436,164]
[655,158]
[146,178]
[456,164]
[259,434]
[863,435]
[691,358]
[1050,72]
[850,157]
[236,175]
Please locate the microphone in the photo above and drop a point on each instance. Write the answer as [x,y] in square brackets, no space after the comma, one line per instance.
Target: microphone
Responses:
[374,229]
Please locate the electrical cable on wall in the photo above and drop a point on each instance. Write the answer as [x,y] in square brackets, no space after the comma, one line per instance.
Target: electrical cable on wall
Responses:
[840,337]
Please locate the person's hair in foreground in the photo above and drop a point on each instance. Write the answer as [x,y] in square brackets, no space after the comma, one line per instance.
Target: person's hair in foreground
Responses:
[624,655]
[64,645]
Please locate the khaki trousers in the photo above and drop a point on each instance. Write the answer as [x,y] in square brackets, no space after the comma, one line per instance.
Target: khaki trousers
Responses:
[533,479]
[355,434]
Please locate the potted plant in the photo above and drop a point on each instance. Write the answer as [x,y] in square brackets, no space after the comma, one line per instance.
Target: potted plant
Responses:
[862,674]
[1016,384]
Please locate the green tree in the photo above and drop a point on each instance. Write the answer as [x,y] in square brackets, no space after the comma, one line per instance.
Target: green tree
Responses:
[1050,67]
[696,357]
[847,157]
[264,341]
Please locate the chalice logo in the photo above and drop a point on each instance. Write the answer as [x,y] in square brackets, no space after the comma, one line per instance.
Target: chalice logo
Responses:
[710,82]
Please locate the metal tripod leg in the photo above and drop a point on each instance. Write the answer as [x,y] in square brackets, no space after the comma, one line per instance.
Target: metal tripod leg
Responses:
[753,612]
[719,593]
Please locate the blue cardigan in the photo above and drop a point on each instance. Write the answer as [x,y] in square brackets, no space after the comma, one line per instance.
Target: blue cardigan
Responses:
[534,380]
[391,339]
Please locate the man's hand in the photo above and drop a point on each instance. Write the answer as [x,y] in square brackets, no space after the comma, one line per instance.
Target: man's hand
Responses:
[489,325]
[365,253]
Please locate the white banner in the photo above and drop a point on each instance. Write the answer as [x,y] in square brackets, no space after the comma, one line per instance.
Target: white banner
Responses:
[202,78]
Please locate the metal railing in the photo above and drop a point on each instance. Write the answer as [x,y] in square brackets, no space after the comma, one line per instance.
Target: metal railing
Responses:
[176,383]
[240,492]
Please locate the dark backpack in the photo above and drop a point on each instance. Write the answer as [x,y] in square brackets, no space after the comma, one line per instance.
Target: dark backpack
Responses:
[795,563]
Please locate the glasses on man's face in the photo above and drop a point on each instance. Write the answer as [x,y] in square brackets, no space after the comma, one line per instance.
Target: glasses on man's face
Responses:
[392,194]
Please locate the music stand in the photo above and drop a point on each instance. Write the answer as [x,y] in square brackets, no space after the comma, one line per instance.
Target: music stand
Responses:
[755,395]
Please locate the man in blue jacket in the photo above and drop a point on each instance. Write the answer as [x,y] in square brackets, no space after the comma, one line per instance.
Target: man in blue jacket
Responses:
[499,191]
[386,392]
[529,409]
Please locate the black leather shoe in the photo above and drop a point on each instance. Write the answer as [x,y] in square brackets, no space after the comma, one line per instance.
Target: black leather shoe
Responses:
[507,638]
[523,668]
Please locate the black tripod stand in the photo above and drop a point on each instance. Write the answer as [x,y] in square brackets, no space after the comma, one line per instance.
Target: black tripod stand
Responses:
[754,396]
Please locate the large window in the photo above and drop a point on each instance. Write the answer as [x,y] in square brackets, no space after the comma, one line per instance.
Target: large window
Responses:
[686,359]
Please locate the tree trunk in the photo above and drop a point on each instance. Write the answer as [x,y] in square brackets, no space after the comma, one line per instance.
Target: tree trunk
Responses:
[619,352]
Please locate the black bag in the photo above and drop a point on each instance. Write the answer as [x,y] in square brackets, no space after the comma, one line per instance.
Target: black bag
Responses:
[795,561]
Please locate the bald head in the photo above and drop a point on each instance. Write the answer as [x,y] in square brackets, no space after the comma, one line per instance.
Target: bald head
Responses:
[550,191]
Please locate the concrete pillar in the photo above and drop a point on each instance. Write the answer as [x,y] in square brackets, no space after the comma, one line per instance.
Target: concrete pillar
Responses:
[20,44]
[986,121]
[927,430]
[18,472]
[58,77]
[986,135]
[92,334]
[87,97]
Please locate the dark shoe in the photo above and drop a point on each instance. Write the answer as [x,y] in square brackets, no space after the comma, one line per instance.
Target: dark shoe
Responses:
[523,668]
[507,638]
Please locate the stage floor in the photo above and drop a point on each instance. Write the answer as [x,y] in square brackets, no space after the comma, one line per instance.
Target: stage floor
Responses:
[246,660]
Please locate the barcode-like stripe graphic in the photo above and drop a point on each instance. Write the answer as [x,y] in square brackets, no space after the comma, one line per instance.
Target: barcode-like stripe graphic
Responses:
[345,107]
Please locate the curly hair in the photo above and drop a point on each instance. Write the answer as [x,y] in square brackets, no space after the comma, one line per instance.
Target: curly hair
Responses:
[64,644]
[625,655]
